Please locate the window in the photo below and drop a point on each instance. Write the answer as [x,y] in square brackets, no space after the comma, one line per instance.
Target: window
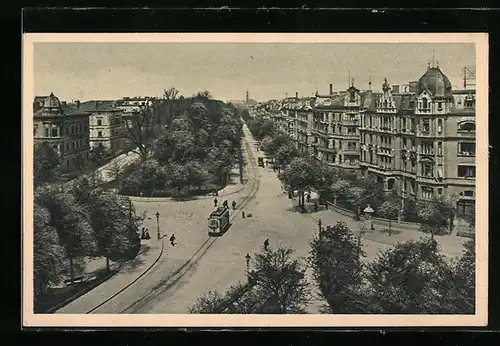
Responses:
[67,145]
[35,130]
[426,126]
[427,148]
[440,125]
[72,145]
[86,128]
[67,163]
[99,133]
[469,193]
[370,121]
[81,144]
[47,132]
[351,145]
[66,130]
[466,171]
[425,104]
[465,207]
[351,130]
[467,127]
[440,148]
[427,192]
[404,143]
[440,105]
[440,191]
[371,139]
[72,129]
[55,132]
[469,101]
[427,170]
[403,126]
[467,149]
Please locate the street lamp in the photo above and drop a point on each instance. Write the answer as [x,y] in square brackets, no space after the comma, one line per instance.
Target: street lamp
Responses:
[247,258]
[158,224]
[368,212]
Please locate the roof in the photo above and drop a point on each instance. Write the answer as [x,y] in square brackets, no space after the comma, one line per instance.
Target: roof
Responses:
[464,92]
[403,102]
[99,106]
[369,100]
[436,82]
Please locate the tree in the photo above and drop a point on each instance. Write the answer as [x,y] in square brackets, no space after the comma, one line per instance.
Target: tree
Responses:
[432,220]
[179,177]
[335,258]
[282,279]
[46,164]
[48,253]
[409,279]
[139,129]
[299,175]
[71,221]
[285,154]
[325,177]
[389,210]
[208,303]
[465,279]
[98,154]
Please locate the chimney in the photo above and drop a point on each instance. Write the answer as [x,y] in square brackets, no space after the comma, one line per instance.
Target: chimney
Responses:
[395,88]
[63,103]
[77,102]
[331,89]
[297,95]
[413,87]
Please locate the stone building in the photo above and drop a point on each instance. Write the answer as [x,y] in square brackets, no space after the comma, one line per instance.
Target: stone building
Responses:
[420,142]
[64,127]
[105,121]
[335,128]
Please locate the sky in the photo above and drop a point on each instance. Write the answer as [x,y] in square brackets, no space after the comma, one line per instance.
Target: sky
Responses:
[106,71]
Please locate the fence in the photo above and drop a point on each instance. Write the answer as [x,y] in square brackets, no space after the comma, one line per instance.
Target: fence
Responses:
[402,225]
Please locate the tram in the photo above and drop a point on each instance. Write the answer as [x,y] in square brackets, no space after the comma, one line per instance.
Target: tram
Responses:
[218,222]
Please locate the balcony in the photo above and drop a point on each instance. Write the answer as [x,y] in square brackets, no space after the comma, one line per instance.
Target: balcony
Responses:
[350,151]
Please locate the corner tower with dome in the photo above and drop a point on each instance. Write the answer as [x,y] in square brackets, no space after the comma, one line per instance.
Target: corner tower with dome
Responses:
[65,127]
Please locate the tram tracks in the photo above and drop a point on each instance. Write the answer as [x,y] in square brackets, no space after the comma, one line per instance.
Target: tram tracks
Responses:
[186,267]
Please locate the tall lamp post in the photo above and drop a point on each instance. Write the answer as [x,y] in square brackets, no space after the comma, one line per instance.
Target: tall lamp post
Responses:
[368,212]
[158,224]
[247,258]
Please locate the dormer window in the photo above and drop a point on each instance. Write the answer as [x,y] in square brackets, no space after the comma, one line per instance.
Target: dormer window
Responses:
[352,96]
[440,105]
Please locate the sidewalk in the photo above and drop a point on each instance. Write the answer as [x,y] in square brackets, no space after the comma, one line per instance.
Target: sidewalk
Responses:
[451,245]
[150,252]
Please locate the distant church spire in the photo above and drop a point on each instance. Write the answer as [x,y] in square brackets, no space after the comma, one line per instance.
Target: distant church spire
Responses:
[247,98]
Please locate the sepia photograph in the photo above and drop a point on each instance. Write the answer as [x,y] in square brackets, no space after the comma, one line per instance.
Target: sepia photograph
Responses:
[255,179]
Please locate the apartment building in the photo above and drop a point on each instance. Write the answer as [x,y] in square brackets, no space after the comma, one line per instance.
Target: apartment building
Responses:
[105,122]
[420,142]
[335,128]
[65,127]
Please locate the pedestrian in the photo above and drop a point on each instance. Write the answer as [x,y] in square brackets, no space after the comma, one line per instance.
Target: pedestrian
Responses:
[147,234]
[243,214]
[315,206]
[215,202]
[266,244]
[224,204]
[143,233]
[172,240]
[308,197]
[234,205]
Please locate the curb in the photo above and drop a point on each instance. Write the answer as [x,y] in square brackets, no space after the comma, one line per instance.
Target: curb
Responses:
[133,281]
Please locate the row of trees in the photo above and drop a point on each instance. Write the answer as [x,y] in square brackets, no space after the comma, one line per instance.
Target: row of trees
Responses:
[305,173]
[72,223]
[195,154]
[411,278]
[75,220]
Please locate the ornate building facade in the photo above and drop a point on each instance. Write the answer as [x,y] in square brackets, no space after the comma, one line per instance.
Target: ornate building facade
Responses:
[65,128]
[421,142]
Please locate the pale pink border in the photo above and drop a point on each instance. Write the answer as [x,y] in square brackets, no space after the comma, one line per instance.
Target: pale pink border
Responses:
[479,319]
